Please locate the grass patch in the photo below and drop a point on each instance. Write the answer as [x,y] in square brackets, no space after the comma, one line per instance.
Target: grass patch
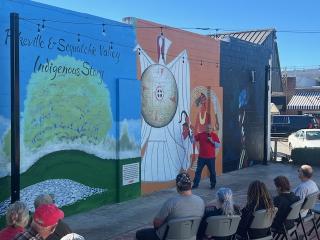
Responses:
[81,167]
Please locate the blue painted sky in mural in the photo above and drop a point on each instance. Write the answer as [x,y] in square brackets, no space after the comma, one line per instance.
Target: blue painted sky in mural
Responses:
[110,54]
[296,49]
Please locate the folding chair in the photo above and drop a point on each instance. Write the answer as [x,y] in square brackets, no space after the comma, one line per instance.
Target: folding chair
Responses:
[316,211]
[309,203]
[262,221]
[182,229]
[222,226]
[293,215]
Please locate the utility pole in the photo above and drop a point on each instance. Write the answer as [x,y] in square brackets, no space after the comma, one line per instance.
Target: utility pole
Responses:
[15,107]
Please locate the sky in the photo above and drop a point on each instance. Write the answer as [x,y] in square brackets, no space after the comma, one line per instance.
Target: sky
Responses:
[290,18]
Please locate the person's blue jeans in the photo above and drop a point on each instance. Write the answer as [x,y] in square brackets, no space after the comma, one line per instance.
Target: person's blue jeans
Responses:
[210,162]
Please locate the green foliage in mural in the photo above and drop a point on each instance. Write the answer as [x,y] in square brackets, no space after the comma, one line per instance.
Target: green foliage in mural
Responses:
[69,107]
[7,144]
[125,142]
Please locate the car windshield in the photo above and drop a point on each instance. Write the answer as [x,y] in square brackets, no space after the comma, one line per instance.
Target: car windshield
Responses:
[313,135]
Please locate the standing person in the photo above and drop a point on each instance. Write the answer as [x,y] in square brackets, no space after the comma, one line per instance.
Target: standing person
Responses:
[307,185]
[208,142]
[185,204]
[44,222]
[17,218]
[283,202]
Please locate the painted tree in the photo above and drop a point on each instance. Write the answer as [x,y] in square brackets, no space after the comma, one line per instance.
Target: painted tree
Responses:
[65,107]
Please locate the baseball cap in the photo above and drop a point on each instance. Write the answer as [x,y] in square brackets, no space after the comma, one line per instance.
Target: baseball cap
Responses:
[47,215]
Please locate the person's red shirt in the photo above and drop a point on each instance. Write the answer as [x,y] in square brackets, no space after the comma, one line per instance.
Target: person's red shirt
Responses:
[207,149]
[10,232]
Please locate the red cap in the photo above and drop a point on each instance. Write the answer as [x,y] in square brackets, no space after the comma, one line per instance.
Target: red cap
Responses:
[47,215]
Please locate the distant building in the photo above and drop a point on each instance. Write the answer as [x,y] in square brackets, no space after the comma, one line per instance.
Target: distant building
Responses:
[305,101]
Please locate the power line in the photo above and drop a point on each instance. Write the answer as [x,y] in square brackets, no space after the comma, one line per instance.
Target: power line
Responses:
[123,25]
[42,23]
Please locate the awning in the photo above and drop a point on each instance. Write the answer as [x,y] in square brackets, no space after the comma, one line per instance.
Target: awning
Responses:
[305,100]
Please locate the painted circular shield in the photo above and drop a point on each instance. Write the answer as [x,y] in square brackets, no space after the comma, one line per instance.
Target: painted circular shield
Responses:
[159,95]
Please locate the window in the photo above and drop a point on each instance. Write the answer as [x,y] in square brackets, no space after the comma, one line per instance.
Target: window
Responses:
[297,134]
[301,135]
[313,135]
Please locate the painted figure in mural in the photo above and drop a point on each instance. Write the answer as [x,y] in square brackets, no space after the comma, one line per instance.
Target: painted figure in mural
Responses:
[203,116]
[166,146]
[243,102]
[17,218]
[185,204]
[208,142]
[186,131]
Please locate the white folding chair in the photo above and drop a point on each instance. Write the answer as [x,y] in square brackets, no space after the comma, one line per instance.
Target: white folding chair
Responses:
[262,221]
[307,206]
[222,226]
[293,215]
[182,229]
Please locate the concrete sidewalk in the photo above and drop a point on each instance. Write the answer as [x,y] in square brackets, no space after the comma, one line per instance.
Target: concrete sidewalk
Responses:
[120,221]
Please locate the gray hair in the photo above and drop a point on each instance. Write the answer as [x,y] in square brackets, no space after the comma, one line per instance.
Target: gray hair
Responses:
[17,214]
[43,199]
[224,196]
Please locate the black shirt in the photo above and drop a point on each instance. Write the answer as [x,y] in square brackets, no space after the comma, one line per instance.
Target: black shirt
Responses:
[283,202]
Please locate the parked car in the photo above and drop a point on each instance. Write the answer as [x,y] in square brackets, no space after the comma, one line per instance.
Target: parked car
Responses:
[284,125]
[304,138]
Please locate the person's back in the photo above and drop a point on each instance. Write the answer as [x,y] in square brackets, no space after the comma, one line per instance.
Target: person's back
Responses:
[224,206]
[283,202]
[180,206]
[307,185]
[258,198]
[185,204]
[17,218]
[306,188]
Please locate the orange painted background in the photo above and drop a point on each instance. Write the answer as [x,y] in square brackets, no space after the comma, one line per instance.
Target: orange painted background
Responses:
[204,58]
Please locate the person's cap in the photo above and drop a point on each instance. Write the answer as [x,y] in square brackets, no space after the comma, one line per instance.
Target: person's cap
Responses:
[47,215]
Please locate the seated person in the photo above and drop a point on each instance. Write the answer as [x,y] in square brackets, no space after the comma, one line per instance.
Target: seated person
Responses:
[62,228]
[258,198]
[283,202]
[185,204]
[17,217]
[44,222]
[307,185]
[224,206]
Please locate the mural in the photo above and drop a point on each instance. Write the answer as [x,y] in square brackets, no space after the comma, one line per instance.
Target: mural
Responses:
[72,131]
[243,102]
[244,114]
[177,92]
[165,96]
